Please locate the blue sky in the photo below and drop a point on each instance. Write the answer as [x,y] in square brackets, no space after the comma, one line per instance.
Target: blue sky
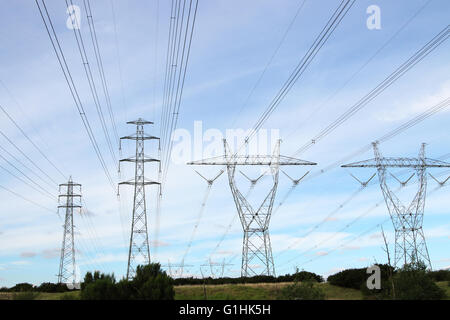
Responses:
[233,41]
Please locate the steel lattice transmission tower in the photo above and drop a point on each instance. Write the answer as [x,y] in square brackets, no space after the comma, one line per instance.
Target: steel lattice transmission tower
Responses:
[410,245]
[139,249]
[256,247]
[68,200]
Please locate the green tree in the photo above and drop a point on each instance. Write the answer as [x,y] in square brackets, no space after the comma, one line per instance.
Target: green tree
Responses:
[22,287]
[102,287]
[152,283]
[413,282]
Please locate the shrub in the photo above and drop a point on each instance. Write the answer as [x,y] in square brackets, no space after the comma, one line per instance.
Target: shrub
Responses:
[356,278]
[350,278]
[99,287]
[440,275]
[22,287]
[150,283]
[302,291]
[52,287]
[412,282]
[386,291]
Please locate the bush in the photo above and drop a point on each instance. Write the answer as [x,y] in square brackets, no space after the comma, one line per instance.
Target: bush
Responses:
[412,282]
[52,287]
[150,283]
[99,287]
[350,278]
[302,291]
[386,291]
[356,278]
[440,275]
[22,287]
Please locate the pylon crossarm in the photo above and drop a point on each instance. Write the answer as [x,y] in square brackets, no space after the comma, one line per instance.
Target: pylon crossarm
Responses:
[133,159]
[69,206]
[135,137]
[139,121]
[134,183]
[398,163]
[256,160]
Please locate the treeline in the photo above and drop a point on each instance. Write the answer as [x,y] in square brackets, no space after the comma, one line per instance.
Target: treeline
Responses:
[109,280]
[298,276]
[412,282]
[44,287]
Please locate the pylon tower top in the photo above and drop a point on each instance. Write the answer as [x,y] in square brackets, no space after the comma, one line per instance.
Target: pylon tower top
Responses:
[410,245]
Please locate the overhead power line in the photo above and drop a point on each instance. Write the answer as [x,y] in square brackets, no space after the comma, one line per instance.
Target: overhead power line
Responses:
[31,141]
[27,157]
[32,184]
[321,39]
[383,85]
[261,76]
[26,167]
[70,83]
[98,57]
[92,86]
[179,58]
[358,71]
[26,199]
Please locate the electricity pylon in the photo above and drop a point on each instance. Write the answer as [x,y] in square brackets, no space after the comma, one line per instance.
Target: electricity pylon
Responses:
[410,245]
[139,249]
[256,247]
[67,271]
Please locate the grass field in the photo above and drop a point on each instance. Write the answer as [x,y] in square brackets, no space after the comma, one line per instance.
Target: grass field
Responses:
[260,291]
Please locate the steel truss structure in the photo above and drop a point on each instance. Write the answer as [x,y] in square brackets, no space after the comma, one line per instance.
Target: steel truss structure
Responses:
[68,200]
[256,247]
[410,245]
[139,249]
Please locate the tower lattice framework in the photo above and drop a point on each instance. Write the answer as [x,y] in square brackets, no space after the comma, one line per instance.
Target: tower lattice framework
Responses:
[68,201]
[257,256]
[410,244]
[139,248]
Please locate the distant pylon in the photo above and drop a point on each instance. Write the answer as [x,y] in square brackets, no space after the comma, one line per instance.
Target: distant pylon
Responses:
[67,271]
[139,249]
[410,245]
[257,256]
